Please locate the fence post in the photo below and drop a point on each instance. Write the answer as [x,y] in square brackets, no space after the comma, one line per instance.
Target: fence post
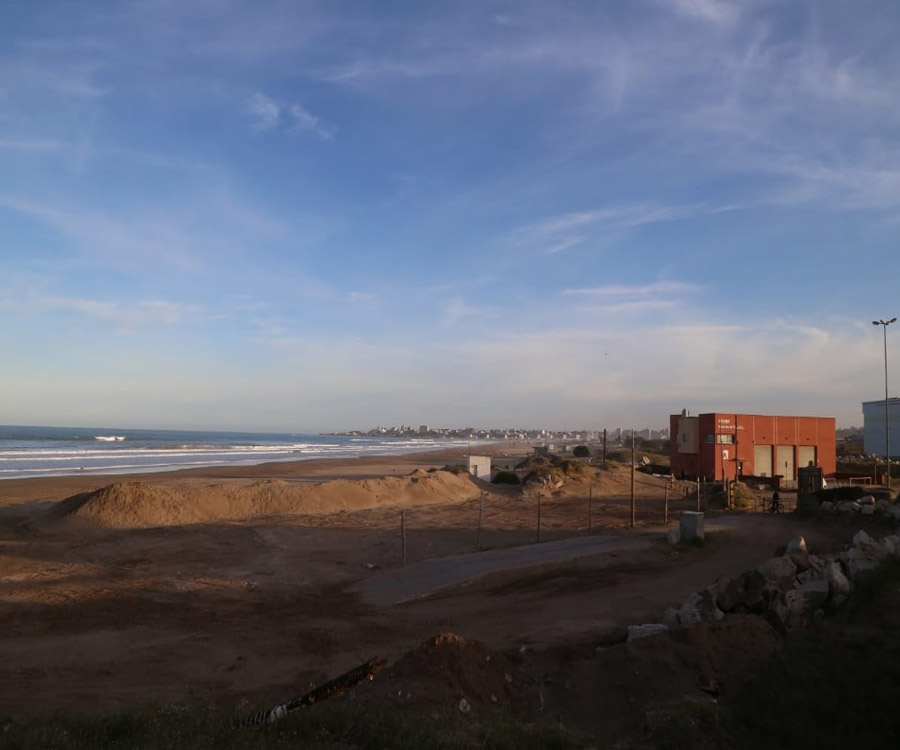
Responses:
[539,519]
[403,536]
[698,494]
[480,517]
[666,517]
[590,505]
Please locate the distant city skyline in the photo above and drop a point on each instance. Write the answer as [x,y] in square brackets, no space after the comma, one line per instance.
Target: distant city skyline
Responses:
[318,216]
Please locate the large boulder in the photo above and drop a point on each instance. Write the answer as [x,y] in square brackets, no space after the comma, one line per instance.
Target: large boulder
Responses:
[869,546]
[780,572]
[644,631]
[815,593]
[859,561]
[699,607]
[743,593]
[790,611]
[815,571]
[838,583]
[798,552]
[891,545]
[798,542]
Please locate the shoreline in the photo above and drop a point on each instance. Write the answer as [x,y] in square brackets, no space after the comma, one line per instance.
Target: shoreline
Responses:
[311,470]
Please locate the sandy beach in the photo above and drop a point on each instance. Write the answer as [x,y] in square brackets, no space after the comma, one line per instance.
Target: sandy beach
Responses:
[243,587]
[311,471]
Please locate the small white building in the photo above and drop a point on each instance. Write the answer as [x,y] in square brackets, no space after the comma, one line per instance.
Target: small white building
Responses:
[479,467]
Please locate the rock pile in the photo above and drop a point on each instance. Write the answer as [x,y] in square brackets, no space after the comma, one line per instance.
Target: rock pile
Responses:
[867,505]
[791,590]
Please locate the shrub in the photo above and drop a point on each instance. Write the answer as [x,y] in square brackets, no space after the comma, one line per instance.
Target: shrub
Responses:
[506,477]
[456,469]
[581,451]
[569,467]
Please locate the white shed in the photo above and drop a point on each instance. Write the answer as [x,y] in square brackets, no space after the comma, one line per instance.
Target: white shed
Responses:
[479,467]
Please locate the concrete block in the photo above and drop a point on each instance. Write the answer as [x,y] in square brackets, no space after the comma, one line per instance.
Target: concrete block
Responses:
[691,525]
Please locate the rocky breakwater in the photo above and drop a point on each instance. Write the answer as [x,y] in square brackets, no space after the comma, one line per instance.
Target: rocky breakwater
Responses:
[791,590]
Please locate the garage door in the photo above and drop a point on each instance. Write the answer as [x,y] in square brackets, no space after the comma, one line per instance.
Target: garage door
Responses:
[806,454]
[784,461]
[762,460]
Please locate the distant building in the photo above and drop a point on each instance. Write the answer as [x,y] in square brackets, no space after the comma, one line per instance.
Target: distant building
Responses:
[721,445]
[479,467]
[873,426]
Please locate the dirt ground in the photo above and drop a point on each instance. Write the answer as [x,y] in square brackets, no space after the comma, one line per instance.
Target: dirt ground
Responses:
[244,613]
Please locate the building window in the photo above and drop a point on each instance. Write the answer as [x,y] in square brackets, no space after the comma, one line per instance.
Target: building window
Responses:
[725,439]
[710,438]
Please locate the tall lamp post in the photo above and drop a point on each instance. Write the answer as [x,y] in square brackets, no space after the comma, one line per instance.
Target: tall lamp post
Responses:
[887,428]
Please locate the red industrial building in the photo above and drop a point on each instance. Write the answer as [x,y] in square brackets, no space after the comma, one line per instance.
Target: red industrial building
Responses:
[717,446]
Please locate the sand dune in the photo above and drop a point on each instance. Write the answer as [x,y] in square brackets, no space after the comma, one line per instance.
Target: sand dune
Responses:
[133,505]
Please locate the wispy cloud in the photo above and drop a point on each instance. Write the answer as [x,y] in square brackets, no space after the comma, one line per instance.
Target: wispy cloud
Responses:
[552,232]
[304,120]
[565,244]
[123,317]
[268,114]
[26,144]
[643,290]
[715,11]
[265,111]
[633,300]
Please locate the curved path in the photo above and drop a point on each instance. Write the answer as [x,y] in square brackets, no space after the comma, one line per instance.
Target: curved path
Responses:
[747,540]
[431,576]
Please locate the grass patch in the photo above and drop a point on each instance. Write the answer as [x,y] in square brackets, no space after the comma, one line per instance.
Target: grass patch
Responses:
[685,725]
[339,726]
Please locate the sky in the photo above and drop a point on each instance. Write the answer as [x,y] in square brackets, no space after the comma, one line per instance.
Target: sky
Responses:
[316,216]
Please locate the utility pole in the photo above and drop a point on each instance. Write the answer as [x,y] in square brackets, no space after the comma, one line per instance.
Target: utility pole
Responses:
[887,425]
[632,477]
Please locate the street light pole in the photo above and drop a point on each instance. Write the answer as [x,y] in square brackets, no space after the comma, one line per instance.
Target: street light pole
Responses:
[887,429]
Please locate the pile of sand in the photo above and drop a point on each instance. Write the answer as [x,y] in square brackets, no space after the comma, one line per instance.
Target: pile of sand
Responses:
[131,505]
[449,668]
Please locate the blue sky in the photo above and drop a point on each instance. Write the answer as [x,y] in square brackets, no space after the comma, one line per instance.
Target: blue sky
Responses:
[333,215]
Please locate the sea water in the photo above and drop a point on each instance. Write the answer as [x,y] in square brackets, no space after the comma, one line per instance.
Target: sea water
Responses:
[57,451]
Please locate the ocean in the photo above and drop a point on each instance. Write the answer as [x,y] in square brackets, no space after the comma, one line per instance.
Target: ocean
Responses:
[57,451]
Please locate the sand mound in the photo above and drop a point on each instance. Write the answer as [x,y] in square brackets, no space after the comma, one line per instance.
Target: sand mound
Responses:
[448,668]
[130,505]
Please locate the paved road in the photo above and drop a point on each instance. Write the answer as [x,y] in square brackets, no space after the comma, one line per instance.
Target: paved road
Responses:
[429,576]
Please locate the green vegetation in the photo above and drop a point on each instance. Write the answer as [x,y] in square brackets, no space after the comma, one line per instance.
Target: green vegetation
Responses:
[581,451]
[336,726]
[456,469]
[742,496]
[558,469]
